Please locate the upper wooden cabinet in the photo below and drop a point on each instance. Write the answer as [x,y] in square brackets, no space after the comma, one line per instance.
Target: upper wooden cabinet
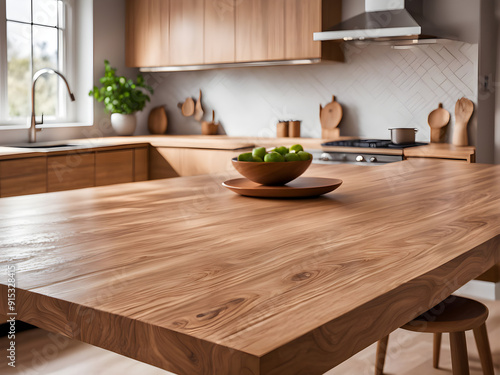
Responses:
[260,30]
[186,32]
[193,32]
[148,32]
[219,35]
[303,18]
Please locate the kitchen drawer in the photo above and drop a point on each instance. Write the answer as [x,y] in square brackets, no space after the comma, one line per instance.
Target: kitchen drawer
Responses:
[23,176]
[114,167]
[71,171]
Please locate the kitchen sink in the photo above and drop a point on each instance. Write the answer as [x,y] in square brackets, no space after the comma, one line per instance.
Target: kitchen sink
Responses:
[51,146]
[38,146]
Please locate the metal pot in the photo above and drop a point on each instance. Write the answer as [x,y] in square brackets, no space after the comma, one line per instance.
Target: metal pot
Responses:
[401,136]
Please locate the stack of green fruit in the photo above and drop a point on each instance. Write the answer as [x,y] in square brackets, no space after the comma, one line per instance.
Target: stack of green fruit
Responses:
[278,154]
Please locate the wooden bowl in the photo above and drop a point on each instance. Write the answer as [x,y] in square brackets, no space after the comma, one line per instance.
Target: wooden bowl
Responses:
[278,173]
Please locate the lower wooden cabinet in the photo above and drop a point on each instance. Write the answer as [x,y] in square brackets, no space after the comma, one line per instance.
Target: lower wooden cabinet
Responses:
[71,171]
[23,176]
[114,167]
[141,161]
[173,162]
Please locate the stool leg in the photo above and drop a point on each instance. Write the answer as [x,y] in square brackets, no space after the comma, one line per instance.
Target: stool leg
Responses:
[459,358]
[437,349]
[483,347]
[381,352]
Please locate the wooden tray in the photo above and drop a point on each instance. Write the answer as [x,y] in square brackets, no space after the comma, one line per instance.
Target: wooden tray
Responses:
[302,187]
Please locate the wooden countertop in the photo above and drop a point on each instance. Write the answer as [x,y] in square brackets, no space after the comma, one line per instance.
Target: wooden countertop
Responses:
[190,277]
[442,150]
[222,142]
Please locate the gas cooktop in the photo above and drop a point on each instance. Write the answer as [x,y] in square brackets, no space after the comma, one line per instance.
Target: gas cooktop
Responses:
[371,143]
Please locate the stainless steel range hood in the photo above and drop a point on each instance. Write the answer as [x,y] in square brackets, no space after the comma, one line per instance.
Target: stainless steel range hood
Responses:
[384,20]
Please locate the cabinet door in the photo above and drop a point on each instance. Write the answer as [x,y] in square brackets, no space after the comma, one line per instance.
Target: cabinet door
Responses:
[147,33]
[71,171]
[194,162]
[260,30]
[23,176]
[114,167]
[186,32]
[302,19]
[219,31]
[141,164]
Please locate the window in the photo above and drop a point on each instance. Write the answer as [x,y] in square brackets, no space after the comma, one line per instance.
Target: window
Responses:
[34,35]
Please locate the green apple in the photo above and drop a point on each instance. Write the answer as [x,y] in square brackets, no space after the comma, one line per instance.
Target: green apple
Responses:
[282,150]
[257,159]
[259,152]
[296,148]
[273,157]
[304,155]
[247,156]
[292,157]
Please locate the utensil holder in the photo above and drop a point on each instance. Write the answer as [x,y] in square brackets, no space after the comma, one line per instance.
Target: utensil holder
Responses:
[209,128]
[294,129]
[282,129]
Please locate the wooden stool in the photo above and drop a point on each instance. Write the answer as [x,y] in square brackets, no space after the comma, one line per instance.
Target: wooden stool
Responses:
[454,315]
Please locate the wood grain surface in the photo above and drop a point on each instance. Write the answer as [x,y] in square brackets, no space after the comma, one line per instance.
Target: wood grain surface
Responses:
[260,30]
[23,176]
[186,32]
[114,167]
[302,19]
[192,278]
[147,33]
[72,171]
[219,32]
[442,150]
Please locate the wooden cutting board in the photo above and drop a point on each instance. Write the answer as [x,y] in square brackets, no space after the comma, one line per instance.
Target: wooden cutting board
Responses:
[157,121]
[463,112]
[438,121]
[330,117]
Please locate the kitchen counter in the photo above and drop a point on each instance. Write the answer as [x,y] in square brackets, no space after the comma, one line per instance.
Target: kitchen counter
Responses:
[190,277]
[222,142]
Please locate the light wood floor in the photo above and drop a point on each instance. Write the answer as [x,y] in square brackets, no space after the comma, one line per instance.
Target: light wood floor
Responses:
[42,353]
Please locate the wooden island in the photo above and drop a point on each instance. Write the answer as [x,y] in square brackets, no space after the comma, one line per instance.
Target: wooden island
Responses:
[190,277]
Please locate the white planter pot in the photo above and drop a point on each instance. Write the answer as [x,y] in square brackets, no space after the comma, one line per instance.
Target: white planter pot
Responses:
[123,124]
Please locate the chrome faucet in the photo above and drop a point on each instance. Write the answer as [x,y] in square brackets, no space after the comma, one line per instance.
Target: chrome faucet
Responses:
[34,123]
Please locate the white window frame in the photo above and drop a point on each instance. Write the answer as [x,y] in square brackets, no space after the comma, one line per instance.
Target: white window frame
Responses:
[78,113]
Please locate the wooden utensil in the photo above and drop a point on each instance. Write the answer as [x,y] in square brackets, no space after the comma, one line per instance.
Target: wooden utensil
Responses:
[188,107]
[463,112]
[198,110]
[157,121]
[209,127]
[330,118]
[438,121]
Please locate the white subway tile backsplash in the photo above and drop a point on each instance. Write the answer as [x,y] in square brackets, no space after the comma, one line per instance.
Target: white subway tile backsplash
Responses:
[378,86]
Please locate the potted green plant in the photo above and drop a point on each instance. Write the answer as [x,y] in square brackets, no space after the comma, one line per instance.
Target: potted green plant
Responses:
[122,98]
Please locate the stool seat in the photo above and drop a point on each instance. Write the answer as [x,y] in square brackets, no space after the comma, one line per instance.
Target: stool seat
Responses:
[454,314]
